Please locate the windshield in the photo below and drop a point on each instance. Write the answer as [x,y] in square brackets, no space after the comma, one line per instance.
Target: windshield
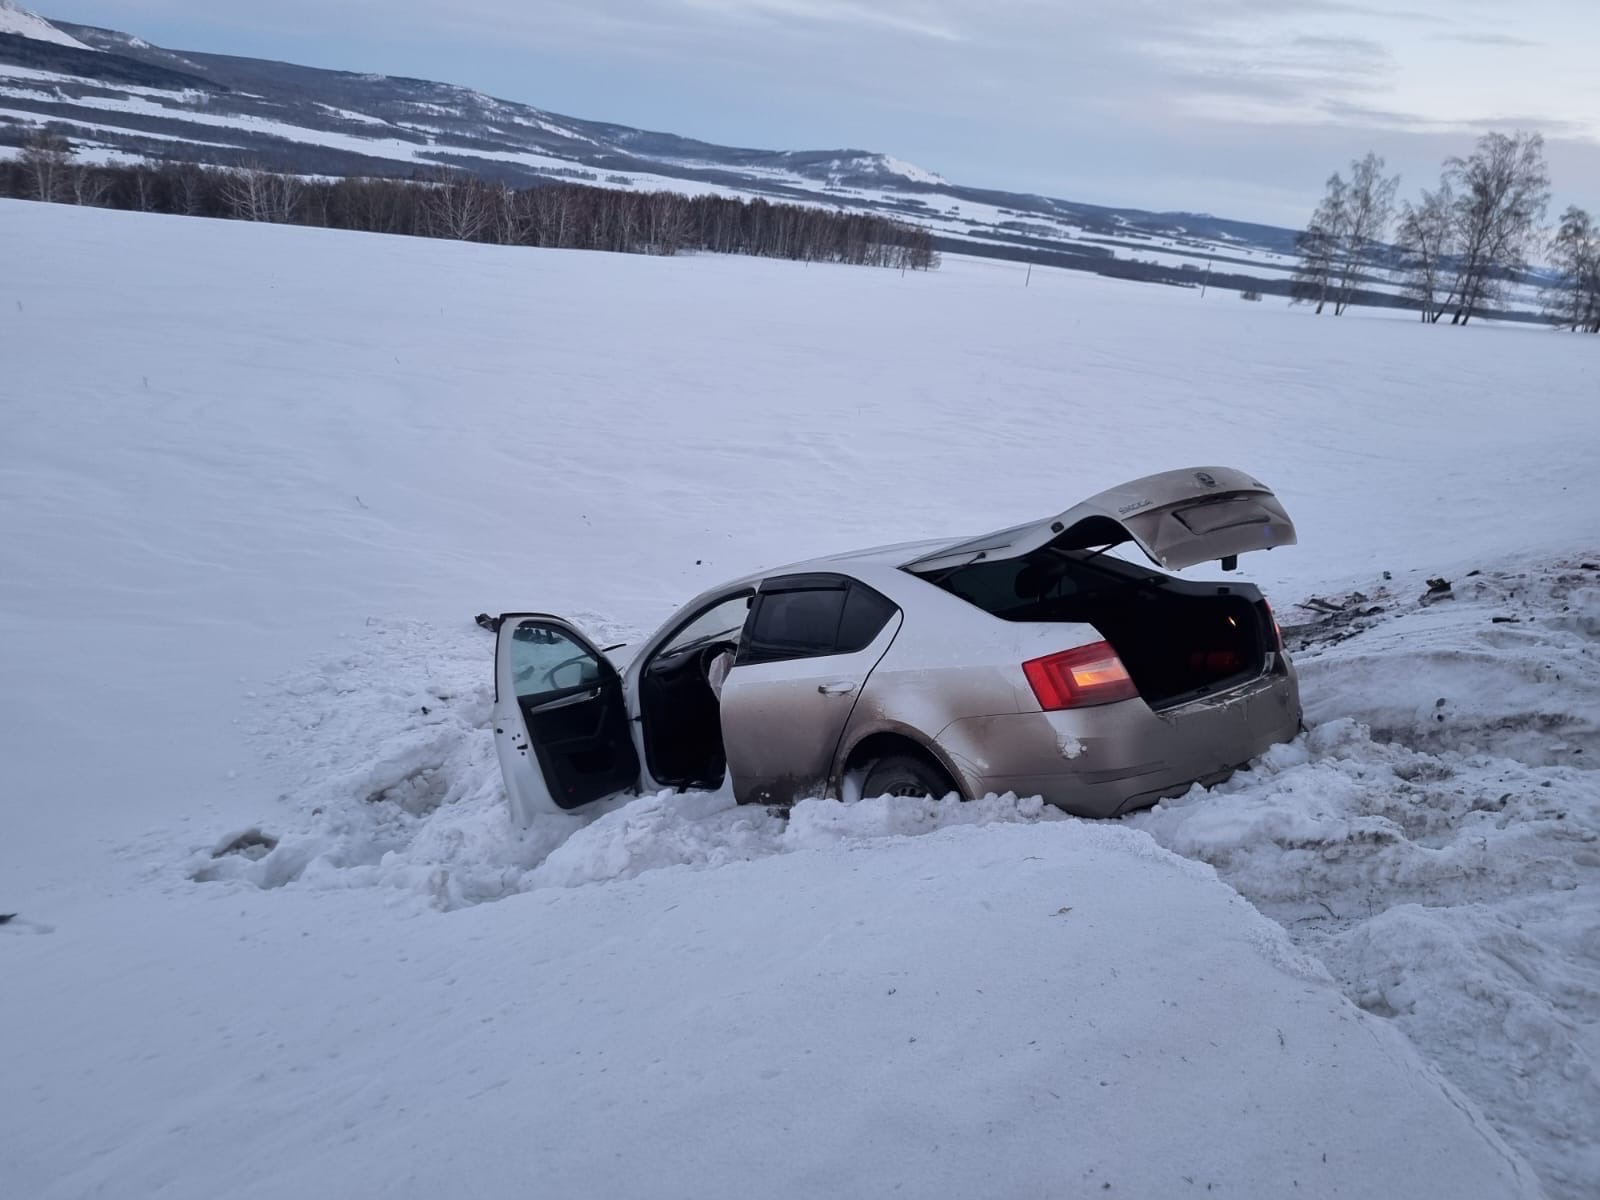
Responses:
[721,622]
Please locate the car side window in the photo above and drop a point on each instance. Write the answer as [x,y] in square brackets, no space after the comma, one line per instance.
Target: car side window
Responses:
[545,662]
[810,622]
[796,624]
[865,614]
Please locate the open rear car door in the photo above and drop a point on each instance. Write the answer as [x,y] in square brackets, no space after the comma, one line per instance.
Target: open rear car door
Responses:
[1178,518]
[560,718]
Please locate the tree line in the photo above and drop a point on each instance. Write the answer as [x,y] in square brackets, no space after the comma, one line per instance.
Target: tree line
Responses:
[450,203]
[1456,249]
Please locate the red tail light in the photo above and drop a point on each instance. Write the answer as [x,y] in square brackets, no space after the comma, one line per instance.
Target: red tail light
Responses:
[1277,630]
[1079,678]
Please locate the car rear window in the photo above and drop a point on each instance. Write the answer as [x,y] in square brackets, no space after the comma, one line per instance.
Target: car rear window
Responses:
[1013,585]
[1047,585]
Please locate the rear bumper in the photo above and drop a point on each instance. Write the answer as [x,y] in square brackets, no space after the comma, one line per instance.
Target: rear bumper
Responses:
[1103,761]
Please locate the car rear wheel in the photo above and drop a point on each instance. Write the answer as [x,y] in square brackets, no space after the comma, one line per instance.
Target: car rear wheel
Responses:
[905,775]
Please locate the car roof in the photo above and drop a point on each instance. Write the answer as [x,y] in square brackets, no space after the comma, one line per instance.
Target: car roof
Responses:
[893,555]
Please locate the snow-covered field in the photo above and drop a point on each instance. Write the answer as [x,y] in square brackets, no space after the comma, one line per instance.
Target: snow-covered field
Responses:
[255,480]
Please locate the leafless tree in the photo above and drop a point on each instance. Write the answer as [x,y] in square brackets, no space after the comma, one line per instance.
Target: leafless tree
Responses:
[567,215]
[513,217]
[667,225]
[189,188]
[46,163]
[459,206]
[1321,244]
[144,192]
[254,193]
[1574,298]
[1501,191]
[1424,238]
[89,185]
[1368,206]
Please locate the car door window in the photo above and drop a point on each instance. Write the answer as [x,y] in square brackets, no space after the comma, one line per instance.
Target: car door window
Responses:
[561,720]
[811,622]
[546,663]
[798,623]
[865,614]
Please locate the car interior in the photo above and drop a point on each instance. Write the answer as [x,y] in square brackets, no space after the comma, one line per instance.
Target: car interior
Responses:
[681,712]
[1177,639]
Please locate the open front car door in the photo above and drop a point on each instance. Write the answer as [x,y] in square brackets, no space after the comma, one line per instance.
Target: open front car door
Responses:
[560,718]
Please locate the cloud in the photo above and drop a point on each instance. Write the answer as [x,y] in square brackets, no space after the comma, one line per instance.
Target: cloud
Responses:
[1354,47]
[1359,115]
[1486,39]
[917,19]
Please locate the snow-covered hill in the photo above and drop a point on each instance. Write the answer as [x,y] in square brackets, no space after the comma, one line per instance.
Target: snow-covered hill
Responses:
[274,928]
[17,20]
[135,100]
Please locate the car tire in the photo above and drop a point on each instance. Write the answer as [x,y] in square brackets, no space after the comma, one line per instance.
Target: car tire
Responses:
[905,775]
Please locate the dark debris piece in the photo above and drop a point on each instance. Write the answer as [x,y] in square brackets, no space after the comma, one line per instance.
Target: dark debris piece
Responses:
[251,844]
[1438,589]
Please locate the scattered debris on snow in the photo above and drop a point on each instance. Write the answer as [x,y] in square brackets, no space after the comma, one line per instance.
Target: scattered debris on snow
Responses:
[1435,840]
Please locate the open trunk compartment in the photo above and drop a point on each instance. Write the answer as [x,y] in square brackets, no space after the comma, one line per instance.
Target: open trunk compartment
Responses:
[1178,640]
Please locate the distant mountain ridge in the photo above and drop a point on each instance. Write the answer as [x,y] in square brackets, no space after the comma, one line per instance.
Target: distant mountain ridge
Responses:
[115,95]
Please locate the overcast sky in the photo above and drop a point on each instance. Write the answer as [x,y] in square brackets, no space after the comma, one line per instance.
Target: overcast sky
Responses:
[1235,107]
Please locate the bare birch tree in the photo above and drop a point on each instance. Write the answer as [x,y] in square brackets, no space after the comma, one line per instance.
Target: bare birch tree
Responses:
[1501,191]
[1574,298]
[47,163]
[89,185]
[1368,207]
[254,193]
[1319,245]
[1424,238]
[459,206]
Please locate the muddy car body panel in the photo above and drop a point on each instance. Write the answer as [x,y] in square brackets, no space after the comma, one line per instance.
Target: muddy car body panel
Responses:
[1026,661]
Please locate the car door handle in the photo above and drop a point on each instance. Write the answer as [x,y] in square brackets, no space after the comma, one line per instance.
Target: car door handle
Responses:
[838,687]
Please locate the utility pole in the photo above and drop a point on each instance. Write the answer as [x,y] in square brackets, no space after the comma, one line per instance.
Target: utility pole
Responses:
[1028,278]
[1205,279]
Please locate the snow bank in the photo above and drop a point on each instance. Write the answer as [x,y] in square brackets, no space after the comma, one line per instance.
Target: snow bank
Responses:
[394,783]
[1003,1012]
[1435,840]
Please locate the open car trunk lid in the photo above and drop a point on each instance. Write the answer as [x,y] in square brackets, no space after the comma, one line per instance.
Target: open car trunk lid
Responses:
[1178,518]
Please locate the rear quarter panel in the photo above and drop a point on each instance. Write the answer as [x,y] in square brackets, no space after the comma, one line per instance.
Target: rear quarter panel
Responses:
[951,662]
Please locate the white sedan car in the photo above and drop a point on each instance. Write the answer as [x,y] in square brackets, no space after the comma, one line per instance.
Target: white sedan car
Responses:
[1025,661]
